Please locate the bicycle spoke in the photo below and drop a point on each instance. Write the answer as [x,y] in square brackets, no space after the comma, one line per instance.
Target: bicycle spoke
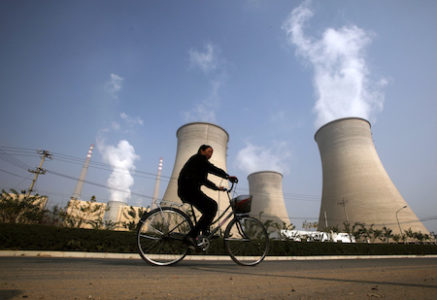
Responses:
[160,236]
[246,241]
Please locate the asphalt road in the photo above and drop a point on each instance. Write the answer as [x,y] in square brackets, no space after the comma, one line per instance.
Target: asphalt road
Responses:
[75,278]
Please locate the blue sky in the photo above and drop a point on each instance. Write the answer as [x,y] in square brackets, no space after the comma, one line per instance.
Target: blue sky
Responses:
[75,73]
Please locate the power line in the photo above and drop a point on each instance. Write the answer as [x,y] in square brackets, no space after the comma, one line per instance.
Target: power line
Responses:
[12,160]
[77,161]
[144,174]
[98,184]
[13,174]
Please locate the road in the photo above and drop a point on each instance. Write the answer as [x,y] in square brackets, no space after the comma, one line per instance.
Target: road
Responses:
[75,278]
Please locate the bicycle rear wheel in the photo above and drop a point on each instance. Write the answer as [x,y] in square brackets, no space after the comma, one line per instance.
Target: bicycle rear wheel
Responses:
[246,241]
[160,236]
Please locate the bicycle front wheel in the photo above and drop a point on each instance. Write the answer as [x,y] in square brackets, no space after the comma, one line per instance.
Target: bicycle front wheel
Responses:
[246,241]
[160,236]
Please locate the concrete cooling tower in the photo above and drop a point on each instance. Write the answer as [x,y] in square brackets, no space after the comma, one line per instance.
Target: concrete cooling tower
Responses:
[268,197]
[114,211]
[190,137]
[356,187]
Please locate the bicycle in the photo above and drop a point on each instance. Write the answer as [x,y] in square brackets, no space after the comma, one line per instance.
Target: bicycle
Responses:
[161,233]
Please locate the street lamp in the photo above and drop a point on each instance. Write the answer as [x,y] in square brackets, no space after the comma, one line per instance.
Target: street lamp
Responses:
[400,229]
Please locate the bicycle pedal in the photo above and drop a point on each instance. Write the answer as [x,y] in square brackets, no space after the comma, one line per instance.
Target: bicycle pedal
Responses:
[203,243]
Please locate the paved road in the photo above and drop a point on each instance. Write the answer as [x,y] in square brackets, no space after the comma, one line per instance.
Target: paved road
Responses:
[74,278]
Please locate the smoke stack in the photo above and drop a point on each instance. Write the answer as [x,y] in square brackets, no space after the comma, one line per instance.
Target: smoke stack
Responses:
[356,187]
[190,137]
[158,180]
[268,197]
[78,189]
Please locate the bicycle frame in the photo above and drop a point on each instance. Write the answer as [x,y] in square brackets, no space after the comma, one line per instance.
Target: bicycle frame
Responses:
[219,218]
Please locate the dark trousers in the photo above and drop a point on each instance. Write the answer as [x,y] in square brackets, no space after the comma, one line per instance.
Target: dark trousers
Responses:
[203,203]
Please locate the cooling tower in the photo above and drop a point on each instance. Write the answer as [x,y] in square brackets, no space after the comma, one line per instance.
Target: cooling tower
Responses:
[268,197]
[113,211]
[190,137]
[356,187]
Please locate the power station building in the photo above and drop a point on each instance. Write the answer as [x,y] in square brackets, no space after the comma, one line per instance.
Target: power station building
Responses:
[356,187]
[190,137]
[268,197]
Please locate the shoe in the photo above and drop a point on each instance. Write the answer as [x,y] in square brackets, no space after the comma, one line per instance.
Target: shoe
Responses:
[190,242]
[207,234]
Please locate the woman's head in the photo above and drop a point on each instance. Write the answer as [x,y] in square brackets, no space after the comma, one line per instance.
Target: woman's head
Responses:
[205,150]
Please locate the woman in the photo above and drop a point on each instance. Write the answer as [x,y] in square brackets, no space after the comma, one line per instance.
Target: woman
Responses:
[193,175]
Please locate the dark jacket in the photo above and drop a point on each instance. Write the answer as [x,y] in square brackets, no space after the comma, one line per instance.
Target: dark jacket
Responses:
[195,172]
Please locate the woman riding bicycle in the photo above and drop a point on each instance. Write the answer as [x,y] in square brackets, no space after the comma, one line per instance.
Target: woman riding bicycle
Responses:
[193,175]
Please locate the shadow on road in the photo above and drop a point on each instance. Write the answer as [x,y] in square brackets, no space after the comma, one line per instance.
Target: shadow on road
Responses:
[9,294]
[248,272]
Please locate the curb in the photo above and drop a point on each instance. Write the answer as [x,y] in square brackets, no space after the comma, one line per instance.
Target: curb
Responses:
[135,256]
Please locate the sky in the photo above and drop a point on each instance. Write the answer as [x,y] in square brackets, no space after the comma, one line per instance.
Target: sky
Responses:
[125,75]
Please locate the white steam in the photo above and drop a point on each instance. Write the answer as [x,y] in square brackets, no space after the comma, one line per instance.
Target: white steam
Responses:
[205,111]
[206,61]
[253,158]
[210,63]
[341,76]
[131,120]
[121,158]
[113,85]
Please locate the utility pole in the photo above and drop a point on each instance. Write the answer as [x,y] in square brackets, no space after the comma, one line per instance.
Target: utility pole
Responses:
[44,154]
[343,203]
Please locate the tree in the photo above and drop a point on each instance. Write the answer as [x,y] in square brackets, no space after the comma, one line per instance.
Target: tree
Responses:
[427,237]
[133,215]
[110,225]
[396,237]
[387,234]
[97,223]
[409,234]
[333,228]
[273,226]
[309,225]
[377,234]
[403,237]
[80,213]
[55,216]
[419,236]
[357,231]
[348,229]
[19,208]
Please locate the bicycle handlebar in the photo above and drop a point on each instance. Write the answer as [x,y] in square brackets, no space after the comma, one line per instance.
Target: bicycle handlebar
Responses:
[232,186]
